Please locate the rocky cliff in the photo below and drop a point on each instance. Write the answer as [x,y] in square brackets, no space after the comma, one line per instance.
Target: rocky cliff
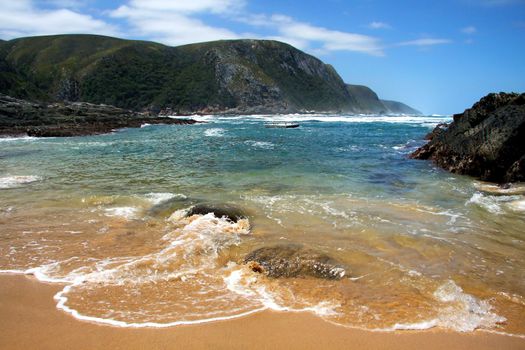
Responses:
[366,99]
[233,76]
[486,141]
[368,102]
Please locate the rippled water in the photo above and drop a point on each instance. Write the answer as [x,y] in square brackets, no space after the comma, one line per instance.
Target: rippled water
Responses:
[104,215]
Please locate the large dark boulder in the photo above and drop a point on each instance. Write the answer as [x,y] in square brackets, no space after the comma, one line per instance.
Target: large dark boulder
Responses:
[486,141]
[230,212]
[294,261]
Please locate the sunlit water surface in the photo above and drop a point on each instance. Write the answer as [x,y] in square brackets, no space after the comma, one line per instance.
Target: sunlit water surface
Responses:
[422,248]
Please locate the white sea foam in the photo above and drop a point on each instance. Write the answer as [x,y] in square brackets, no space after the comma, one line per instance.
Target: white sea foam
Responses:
[159,197]
[512,189]
[194,245]
[17,181]
[246,283]
[452,215]
[125,212]
[493,204]
[459,311]
[62,300]
[517,205]
[260,144]
[21,138]
[13,271]
[80,145]
[214,132]
[330,118]
[178,215]
[463,312]
[413,326]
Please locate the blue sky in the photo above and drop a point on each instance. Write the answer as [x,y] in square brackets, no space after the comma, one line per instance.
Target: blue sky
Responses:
[437,56]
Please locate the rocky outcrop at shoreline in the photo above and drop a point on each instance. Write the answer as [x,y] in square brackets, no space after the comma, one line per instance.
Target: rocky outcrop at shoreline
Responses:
[21,117]
[486,141]
[294,261]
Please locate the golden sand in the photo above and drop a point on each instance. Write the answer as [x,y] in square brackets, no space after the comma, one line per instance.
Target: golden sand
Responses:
[30,320]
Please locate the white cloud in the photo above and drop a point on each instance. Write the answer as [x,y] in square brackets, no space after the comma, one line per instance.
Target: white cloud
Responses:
[23,18]
[424,42]
[172,23]
[469,30]
[379,25]
[177,22]
[187,6]
[314,38]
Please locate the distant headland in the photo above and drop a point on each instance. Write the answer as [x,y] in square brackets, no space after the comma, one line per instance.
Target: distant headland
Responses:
[219,77]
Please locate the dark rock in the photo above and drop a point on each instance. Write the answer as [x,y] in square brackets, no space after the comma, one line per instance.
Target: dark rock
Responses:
[70,118]
[69,90]
[294,261]
[219,210]
[486,141]
[440,128]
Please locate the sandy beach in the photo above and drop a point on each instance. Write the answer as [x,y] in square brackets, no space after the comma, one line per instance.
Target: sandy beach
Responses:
[29,320]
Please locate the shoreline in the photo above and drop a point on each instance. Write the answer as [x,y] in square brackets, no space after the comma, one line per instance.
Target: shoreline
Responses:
[27,307]
[81,130]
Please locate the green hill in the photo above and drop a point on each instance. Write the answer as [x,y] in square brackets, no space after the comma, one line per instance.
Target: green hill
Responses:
[367,99]
[399,107]
[233,76]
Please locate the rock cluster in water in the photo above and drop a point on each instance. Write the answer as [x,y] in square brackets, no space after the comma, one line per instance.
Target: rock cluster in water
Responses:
[294,261]
[69,118]
[486,141]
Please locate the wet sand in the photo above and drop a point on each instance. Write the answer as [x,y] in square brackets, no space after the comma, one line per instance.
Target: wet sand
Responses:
[30,320]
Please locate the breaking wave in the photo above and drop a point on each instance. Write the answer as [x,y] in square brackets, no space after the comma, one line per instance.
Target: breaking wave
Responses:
[17,181]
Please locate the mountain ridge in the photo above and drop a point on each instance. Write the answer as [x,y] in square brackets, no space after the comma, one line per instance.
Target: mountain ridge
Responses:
[227,76]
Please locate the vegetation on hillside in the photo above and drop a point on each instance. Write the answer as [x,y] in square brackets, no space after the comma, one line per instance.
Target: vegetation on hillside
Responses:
[230,75]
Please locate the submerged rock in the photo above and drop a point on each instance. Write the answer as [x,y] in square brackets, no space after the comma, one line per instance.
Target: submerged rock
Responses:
[485,141]
[232,213]
[294,261]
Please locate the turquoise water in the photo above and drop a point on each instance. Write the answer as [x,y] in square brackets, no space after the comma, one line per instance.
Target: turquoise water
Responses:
[226,156]
[424,248]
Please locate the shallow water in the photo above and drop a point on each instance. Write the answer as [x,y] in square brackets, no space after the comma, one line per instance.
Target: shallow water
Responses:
[422,248]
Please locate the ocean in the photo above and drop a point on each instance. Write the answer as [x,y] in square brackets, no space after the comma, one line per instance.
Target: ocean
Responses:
[105,216]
